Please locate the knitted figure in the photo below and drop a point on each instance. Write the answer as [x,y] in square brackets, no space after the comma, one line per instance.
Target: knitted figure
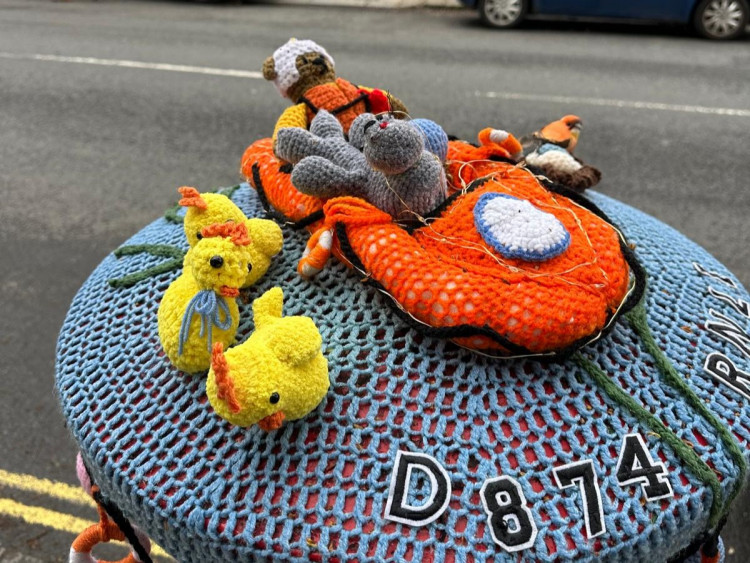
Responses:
[415,177]
[551,150]
[199,309]
[206,209]
[303,71]
[277,374]
[393,172]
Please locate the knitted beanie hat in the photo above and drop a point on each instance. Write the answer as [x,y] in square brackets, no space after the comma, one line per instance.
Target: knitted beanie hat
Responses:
[285,59]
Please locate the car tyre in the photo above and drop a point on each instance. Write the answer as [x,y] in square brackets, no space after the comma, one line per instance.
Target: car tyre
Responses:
[721,19]
[503,13]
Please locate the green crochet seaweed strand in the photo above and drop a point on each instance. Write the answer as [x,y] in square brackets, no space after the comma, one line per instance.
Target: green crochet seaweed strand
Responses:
[163,250]
[638,320]
[699,467]
[175,254]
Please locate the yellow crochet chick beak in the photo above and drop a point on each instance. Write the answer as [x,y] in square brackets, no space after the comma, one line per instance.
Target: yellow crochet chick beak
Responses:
[278,374]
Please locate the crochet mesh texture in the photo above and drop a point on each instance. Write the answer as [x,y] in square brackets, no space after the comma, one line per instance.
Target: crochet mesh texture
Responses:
[446,276]
[316,489]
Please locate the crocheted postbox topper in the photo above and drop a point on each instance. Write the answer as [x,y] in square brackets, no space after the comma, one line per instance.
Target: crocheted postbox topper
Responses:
[631,449]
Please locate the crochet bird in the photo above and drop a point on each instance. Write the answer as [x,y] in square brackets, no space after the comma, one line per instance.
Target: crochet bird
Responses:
[551,151]
[564,133]
[199,307]
[208,208]
[277,374]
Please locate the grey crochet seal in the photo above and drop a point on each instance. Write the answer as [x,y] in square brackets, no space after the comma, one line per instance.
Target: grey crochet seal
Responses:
[394,172]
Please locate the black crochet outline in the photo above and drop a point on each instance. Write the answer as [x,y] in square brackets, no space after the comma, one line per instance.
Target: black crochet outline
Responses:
[271,211]
[363,97]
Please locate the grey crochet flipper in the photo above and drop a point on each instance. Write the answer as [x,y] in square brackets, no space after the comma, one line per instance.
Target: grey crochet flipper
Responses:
[326,165]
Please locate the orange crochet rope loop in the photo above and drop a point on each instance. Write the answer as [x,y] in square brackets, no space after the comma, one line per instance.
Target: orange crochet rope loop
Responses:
[102,532]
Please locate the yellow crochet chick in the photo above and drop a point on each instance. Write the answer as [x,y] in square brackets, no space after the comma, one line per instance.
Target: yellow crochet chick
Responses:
[199,308]
[278,374]
[208,209]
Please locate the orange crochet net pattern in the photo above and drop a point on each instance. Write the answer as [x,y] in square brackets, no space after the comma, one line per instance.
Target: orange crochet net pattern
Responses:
[466,162]
[444,274]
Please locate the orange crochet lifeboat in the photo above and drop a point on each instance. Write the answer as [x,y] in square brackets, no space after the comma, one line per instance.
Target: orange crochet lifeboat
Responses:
[555,283]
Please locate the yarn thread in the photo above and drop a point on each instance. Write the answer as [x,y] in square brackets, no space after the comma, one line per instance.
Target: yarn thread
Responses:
[175,254]
[209,307]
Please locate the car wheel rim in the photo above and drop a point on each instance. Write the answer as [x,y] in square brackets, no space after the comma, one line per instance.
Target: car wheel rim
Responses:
[503,12]
[722,18]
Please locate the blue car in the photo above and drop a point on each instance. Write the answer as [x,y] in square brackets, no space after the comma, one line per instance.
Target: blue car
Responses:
[715,19]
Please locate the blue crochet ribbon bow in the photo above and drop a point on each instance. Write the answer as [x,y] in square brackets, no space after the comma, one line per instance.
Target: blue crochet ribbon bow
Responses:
[209,306]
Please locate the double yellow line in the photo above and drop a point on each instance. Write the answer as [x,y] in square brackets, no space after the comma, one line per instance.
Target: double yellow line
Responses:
[50,518]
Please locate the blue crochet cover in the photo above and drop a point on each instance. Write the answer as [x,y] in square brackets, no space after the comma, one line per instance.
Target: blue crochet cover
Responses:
[317,489]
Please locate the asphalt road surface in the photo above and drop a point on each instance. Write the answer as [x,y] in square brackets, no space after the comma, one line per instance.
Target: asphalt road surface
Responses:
[90,153]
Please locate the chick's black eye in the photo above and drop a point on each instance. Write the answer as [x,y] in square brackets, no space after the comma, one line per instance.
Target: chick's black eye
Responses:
[249,267]
[274,398]
[199,236]
[216,261]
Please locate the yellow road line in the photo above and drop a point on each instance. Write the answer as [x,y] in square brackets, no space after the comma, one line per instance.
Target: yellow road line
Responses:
[32,484]
[43,517]
[55,520]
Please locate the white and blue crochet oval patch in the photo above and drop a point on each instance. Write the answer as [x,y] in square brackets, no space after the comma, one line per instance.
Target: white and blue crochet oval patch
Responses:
[517,229]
